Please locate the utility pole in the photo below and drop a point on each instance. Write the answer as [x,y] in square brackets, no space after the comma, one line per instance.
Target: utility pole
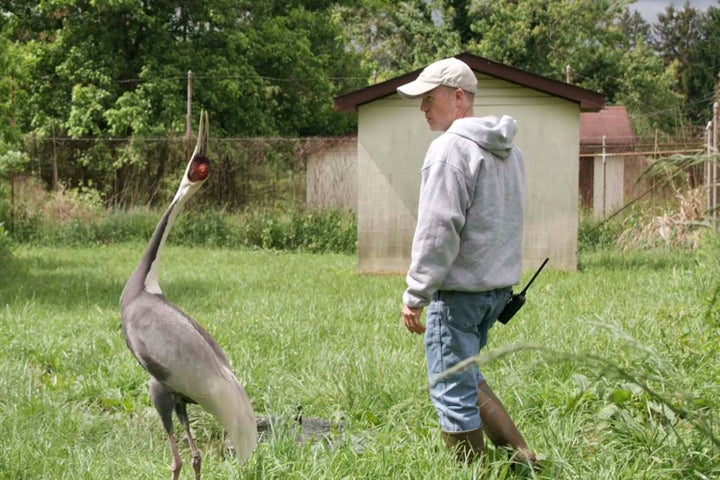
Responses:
[188,118]
[11,174]
[12,102]
[54,161]
[708,168]
[604,177]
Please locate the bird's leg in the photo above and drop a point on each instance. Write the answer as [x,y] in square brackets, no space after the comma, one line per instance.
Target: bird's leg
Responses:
[164,399]
[181,411]
[177,461]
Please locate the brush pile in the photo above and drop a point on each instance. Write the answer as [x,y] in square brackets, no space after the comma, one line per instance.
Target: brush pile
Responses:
[680,225]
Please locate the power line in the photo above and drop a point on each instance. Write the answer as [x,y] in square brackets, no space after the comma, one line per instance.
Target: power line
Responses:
[57,81]
[682,106]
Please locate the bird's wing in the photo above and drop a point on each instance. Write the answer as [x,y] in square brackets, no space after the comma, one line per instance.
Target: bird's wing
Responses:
[171,346]
[210,341]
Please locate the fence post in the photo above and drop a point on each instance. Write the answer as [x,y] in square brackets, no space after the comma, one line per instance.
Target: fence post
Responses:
[714,164]
[55,178]
[12,102]
[708,168]
[188,118]
[604,181]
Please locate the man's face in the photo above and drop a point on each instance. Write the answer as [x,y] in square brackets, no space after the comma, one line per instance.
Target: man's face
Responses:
[440,108]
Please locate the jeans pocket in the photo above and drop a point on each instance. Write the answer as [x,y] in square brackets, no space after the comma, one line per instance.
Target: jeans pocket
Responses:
[460,313]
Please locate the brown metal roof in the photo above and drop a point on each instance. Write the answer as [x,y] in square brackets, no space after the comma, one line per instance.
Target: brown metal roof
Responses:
[589,101]
[611,122]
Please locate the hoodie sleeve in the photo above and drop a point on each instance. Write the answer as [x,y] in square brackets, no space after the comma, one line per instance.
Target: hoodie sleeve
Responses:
[444,199]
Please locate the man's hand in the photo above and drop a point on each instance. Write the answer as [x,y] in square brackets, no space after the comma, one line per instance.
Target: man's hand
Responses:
[411,318]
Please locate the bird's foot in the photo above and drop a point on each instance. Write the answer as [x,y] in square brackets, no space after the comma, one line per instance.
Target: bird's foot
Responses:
[175,468]
[196,461]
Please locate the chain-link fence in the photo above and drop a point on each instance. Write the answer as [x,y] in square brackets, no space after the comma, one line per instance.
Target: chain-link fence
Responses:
[332,175]
[616,174]
[297,173]
[247,173]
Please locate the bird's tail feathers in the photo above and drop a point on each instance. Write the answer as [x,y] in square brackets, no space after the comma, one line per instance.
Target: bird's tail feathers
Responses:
[234,411]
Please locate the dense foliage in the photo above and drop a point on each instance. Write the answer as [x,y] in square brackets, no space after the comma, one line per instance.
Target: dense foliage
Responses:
[94,68]
[663,72]
[320,231]
[107,80]
[118,68]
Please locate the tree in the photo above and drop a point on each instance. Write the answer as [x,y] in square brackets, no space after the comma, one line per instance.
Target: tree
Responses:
[397,36]
[606,47]
[704,67]
[297,55]
[674,35]
[544,37]
[634,29]
[11,77]
[647,89]
[591,37]
[119,68]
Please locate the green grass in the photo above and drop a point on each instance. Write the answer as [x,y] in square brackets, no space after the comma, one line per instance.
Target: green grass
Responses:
[611,372]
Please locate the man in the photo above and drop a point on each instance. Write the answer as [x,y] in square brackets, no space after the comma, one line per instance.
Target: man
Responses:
[465,254]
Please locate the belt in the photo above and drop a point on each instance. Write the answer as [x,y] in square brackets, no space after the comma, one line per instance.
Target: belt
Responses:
[440,294]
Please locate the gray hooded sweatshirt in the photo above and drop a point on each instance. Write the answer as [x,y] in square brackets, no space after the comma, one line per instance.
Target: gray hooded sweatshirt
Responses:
[470,215]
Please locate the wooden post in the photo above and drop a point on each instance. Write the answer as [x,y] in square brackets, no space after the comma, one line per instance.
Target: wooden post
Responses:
[11,177]
[715,164]
[12,103]
[604,177]
[708,168]
[54,159]
[188,118]
[11,174]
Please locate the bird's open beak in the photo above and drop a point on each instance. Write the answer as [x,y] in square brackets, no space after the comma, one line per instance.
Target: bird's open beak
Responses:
[199,167]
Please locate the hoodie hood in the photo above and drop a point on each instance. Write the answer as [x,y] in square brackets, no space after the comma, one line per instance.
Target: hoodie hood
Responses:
[494,134]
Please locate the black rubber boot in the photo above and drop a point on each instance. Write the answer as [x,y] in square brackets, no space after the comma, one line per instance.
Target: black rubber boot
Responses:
[468,446]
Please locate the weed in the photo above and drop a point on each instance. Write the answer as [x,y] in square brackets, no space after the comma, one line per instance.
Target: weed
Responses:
[610,372]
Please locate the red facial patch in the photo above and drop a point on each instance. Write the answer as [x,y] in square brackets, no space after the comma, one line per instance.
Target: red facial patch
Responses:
[199,169]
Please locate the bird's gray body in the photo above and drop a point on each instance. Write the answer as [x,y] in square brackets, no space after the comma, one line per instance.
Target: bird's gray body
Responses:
[185,363]
[181,356]
[165,341]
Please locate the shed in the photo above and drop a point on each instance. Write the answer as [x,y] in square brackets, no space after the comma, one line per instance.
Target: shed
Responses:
[609,167]
[331,174]
[393,137]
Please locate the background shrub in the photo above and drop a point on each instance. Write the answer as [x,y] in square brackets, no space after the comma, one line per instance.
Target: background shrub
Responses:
[121,226]
[6,243]
[315,231]
[204,227]
[596,234]
[76,217]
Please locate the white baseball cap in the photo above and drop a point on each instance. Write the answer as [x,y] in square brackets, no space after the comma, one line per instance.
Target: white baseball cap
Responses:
[449,72]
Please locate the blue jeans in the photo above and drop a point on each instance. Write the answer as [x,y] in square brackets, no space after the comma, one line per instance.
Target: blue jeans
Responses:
[457,328]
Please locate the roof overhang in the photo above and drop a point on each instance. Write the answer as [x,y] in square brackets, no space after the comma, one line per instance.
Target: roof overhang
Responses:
[588,100]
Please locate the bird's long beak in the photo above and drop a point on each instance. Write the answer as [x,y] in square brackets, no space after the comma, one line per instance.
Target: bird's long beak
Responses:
[199,166]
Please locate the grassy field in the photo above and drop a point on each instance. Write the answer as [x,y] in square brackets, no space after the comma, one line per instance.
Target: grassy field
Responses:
[611,372]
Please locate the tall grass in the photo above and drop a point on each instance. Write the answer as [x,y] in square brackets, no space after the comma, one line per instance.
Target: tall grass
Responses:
[77,217]
[611,372]
[319,231]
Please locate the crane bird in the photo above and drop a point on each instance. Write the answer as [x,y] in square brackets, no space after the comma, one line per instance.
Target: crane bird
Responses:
[186,365]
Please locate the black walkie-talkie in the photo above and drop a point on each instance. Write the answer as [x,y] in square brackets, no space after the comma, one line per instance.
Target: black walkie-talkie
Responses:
[517,300]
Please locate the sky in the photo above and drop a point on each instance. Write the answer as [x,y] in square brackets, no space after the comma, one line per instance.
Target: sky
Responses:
[649,9]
